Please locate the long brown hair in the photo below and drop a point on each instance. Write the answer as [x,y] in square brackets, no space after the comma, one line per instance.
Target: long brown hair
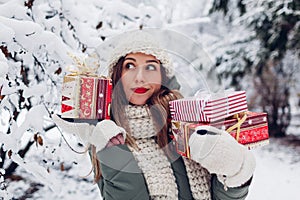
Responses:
[160,113]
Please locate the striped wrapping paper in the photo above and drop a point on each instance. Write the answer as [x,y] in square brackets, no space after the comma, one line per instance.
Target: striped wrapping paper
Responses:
[208,110]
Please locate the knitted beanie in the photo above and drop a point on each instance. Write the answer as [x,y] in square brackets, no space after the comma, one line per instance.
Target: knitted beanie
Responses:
[140,41]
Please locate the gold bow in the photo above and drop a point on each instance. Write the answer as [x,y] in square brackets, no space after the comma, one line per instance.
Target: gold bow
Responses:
[85,67]
[237,126]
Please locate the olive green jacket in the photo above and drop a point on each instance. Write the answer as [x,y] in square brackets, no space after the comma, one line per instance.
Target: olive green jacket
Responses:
[123,180]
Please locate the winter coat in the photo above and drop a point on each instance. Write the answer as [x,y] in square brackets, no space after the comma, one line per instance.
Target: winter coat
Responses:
[123,180]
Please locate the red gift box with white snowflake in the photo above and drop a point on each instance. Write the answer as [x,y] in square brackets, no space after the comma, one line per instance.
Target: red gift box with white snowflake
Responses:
[248,128]
[208,107]
[86,97]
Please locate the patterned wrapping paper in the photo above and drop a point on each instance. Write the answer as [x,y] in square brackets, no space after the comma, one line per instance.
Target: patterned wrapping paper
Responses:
[87,100]
[70,97]
[253,132]
[208,109]
[86,97]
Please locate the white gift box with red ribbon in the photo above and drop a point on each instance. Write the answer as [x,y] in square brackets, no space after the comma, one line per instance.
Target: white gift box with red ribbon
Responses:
[207,107]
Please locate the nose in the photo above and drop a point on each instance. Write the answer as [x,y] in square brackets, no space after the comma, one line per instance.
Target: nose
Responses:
[140,76]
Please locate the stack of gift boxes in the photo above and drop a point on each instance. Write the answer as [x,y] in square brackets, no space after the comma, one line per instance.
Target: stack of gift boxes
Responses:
[85,95]
[227,111]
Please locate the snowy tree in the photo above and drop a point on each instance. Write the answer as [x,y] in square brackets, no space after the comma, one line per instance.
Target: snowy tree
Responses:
[273,27]
[36,38]
[34,53]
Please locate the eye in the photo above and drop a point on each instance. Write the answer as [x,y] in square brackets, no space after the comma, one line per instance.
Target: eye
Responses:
[151,67]
[129,66]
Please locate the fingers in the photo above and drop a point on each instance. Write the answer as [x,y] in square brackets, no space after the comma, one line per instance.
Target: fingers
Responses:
[120,138]
[109,128]
[116,140]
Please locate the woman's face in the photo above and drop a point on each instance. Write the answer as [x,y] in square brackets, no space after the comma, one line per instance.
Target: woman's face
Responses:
[141,77]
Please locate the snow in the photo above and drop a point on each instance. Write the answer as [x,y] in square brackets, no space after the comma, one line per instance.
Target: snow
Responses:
[4,67]
[17,6]
[277,174]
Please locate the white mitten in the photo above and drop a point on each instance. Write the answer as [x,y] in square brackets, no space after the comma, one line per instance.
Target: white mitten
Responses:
[81,130]
[221,154]
[103,132]
[98,135]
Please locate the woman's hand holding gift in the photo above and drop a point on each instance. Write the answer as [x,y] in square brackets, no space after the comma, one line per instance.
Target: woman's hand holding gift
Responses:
[221,154]
[116,140]
[105,134]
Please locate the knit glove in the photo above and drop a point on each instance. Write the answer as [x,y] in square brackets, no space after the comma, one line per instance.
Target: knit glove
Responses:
[98,135]
[221,154]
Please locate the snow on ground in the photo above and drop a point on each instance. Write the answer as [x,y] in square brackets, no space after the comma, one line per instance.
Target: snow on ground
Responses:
[277,176]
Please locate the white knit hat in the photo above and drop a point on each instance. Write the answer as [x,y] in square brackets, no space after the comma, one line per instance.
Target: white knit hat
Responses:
[143,42]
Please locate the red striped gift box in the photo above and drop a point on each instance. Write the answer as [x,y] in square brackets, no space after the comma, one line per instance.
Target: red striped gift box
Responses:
[204,109]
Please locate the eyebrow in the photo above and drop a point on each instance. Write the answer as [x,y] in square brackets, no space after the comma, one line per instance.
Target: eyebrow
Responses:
[147,61]
[130,59]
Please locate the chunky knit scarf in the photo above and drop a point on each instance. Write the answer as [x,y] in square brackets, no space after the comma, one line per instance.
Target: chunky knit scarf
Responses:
[154,163]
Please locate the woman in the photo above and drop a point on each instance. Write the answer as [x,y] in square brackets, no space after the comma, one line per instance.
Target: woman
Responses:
[138,161]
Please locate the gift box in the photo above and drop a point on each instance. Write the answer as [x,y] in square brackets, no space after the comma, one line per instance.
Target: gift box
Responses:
[86,97]
[208,107]
[248,128]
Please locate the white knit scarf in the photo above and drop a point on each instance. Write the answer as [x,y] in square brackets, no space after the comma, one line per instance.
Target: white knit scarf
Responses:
[154,163]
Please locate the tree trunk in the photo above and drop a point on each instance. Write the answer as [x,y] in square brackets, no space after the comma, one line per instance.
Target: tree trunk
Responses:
[272,88]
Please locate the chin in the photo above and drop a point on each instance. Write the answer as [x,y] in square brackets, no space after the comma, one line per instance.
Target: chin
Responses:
[138,102]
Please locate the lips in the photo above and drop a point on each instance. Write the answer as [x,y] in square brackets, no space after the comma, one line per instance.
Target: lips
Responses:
[140,90]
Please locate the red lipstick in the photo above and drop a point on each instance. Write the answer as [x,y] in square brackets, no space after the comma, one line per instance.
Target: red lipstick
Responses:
[140,90]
